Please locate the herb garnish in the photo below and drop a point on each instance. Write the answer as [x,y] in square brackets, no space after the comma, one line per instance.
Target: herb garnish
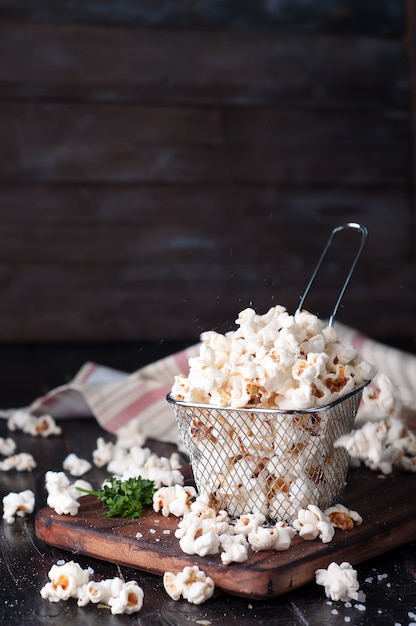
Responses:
[124,498]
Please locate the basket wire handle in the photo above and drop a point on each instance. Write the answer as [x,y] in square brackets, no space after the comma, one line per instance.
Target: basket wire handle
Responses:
[348,225]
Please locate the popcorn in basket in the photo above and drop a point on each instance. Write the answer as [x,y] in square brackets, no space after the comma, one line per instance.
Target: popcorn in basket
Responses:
[262,406]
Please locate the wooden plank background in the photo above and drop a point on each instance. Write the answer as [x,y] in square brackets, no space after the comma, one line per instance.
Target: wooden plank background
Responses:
[162,166]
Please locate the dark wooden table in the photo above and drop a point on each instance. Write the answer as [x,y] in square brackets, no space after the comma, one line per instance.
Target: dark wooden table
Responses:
[25,562]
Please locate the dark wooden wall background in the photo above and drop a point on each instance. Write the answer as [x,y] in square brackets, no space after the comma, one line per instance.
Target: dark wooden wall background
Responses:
[165,164]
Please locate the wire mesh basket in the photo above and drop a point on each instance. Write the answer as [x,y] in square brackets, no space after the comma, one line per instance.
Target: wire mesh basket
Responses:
[272,461]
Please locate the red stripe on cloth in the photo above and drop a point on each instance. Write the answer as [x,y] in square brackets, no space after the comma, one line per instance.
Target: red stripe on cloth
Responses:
[133,410]
[86,373]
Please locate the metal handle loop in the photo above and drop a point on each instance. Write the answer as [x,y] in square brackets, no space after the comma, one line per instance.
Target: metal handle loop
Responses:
[364,234]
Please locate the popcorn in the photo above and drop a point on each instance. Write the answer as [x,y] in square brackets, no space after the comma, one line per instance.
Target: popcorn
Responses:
[382,445]
[62,495]
[191,583]
[341,517]
[23,420]
[129,600]
[76,466]
[277,537]
[22,462]
[272,360]
[173,500]
[99,591]
[7,446]
[18,504]
[312,523]
[65,580]
[340,581]
[141,461]
[69,580]
[104,452]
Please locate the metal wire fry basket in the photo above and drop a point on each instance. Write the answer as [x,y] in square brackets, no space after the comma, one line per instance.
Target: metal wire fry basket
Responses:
[272,461]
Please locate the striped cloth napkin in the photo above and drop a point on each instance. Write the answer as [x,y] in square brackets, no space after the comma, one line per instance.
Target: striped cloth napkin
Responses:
[115,397]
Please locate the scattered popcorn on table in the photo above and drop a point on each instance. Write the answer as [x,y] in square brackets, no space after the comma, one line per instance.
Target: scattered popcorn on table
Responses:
[18,504]
[129,600]
[104,452]
[62,495]
[23,420]
[22,462]
[340,581]
[312,523]
[76,466]
[381,446]
[191,583]
[131,434]
[341,517]
[7,446]
[69,580]
[65,579]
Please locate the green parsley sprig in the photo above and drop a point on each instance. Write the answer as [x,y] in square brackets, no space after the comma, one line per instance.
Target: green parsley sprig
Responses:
[124,498]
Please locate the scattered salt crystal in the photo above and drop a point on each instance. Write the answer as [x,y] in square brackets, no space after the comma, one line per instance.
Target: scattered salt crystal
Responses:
[348,605]
[381,576]
[166,531]
[369,579]
[359,607]
[388,585]
[347,619]
[152,530]
[334,612]
[157,539]
[139,535]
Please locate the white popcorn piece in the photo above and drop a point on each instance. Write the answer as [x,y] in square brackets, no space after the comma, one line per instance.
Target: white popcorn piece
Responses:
[191,583]
[278,537]
[75,465]
[43,426]
[131,434]
[381,398]
[22,462]
[18,504]
[128,600]
[342,517]
[104,452]
[382,445]
[249,523]
[340,581]
[312,523]
[234,548]
[198,536]
[173,500]
[62,495]
[7,446]
[65,580]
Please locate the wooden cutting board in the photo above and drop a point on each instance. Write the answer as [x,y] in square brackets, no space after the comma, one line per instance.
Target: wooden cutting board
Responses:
[387,505]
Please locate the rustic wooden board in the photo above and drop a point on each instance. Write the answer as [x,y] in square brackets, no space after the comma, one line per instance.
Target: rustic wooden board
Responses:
[387,505]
